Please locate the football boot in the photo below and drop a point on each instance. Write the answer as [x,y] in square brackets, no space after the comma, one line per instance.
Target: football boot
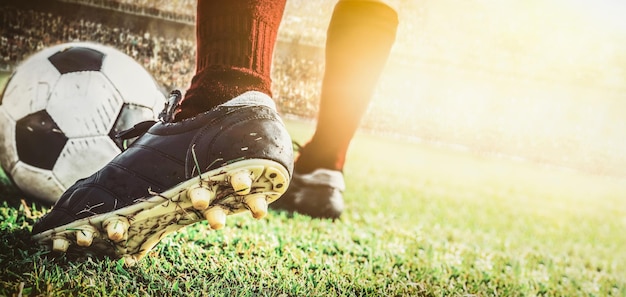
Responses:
[234,158]
[318,194]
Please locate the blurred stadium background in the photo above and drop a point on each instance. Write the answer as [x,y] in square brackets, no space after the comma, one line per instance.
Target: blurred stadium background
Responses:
[537,80]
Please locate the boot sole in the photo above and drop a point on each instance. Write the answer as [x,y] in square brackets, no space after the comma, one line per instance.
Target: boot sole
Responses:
[131,232]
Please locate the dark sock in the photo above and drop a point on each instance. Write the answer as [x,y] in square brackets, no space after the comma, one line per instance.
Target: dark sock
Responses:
[235,44]
[359,39]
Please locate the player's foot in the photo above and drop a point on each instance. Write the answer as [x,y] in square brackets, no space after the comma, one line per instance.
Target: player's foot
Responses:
[317,194]
[236,157]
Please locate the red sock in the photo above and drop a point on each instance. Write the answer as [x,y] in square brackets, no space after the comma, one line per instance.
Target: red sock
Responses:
[235,44]
[359,39]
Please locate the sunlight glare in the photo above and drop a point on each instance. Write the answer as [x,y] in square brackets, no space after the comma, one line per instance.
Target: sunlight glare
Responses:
[544,80]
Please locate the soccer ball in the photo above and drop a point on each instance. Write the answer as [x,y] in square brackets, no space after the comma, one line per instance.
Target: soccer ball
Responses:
[60,110]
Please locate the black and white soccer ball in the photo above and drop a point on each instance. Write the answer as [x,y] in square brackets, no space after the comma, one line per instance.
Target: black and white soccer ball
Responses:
[60,110]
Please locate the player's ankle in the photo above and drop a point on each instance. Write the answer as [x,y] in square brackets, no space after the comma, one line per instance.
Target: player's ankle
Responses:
[311,157]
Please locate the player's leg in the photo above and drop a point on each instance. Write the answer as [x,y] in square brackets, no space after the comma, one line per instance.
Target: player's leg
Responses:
[235,44]
[227,152]
[359,39]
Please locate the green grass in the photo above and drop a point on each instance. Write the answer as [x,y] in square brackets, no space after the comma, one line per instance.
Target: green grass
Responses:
[420,220]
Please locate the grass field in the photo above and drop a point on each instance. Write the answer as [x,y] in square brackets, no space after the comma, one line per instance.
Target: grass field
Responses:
[420,221]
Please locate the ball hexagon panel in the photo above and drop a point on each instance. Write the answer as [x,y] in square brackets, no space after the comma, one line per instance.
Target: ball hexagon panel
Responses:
[129,116]
[84,104]
[39,182]
[39,140]
[30,87]
[126,74]
[95,151]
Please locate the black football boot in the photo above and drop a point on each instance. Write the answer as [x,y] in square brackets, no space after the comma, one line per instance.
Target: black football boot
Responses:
[318,194]
[234,158]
